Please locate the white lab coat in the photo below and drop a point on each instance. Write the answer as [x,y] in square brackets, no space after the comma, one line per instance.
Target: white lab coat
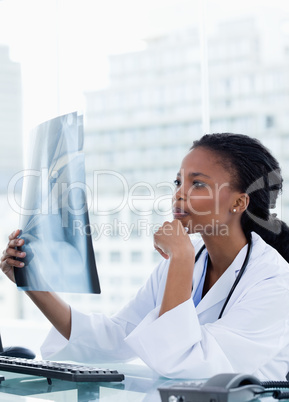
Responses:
[191,342]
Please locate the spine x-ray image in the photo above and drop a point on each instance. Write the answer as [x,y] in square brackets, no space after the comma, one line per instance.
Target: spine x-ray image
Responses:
[58,257]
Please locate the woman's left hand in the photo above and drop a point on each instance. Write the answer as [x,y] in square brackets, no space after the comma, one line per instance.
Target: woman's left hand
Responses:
[172,239]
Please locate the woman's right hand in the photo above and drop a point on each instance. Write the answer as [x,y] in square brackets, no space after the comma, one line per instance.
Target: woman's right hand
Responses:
[56,310]
[8,261]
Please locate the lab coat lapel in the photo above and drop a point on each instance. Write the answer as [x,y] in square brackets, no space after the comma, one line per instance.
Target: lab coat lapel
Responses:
[222,287]
[199,266]
[198,270]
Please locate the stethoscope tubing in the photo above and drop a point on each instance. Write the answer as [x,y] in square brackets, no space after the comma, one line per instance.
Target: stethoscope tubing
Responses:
[239,276]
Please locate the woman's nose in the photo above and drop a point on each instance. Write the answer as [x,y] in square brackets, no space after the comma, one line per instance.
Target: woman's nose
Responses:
[180,194]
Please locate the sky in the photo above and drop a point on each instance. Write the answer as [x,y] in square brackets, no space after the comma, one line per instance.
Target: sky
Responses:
[63,44]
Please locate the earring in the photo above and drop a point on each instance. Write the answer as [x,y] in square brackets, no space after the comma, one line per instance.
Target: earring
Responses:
[234,210]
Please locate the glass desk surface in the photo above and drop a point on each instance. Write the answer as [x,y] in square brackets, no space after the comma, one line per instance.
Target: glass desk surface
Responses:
[140,385]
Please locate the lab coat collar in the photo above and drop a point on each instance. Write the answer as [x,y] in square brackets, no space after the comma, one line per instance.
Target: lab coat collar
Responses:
[222,287]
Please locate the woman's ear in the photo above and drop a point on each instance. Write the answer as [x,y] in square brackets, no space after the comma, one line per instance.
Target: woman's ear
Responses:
[241,203]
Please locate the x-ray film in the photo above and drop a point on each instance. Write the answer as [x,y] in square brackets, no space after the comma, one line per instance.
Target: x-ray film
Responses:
[58,257]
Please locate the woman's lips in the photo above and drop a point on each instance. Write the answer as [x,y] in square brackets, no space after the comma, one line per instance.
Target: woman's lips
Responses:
[179,213]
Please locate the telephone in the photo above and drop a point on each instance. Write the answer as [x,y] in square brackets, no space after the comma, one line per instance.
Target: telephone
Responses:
[229,387]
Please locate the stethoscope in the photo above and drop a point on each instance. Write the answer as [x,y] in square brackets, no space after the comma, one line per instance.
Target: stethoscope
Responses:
[242,270]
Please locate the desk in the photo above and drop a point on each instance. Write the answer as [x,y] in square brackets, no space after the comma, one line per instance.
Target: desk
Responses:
[140,385]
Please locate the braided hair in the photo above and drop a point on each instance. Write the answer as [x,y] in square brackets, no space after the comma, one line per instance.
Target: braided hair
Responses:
[256,172]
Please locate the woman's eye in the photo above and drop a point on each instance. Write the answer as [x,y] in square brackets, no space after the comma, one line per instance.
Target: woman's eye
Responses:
[198,184]
[177,182]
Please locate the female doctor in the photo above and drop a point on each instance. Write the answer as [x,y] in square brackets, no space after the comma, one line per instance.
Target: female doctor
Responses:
[217,303]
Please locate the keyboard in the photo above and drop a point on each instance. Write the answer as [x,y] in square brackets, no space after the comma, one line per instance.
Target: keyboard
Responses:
[61,371]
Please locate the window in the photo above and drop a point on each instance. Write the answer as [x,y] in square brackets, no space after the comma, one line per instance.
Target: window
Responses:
[136,256]
[269,121]
[115,256]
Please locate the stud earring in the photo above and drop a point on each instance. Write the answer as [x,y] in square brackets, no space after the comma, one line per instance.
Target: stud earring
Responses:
[234,210]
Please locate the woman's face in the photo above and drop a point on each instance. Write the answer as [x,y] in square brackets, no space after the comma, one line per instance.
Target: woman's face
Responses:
[203,200]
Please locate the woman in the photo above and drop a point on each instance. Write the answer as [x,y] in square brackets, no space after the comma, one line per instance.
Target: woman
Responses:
[194,319]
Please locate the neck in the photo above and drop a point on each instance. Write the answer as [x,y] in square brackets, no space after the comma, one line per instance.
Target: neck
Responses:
[223,250]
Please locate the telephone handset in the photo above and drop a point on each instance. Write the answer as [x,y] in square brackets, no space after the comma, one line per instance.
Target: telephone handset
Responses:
[232,380]
[225,387]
